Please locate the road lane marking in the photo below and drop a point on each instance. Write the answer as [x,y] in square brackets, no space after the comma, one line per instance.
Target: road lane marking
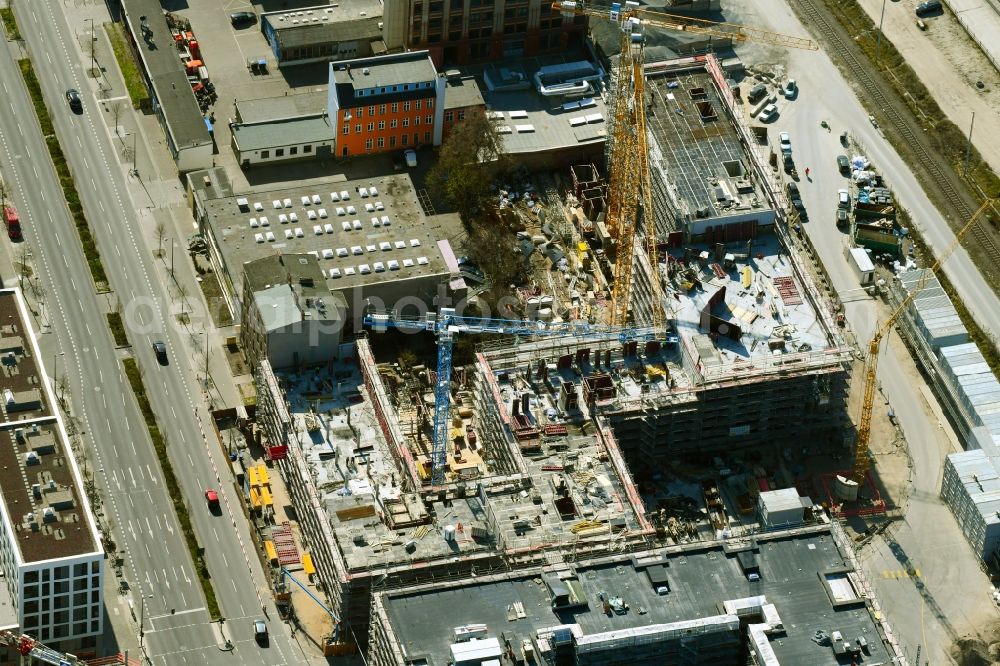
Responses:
[132,474]
[153,479]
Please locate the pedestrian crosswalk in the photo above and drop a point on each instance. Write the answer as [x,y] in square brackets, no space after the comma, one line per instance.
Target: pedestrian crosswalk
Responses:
[901,573]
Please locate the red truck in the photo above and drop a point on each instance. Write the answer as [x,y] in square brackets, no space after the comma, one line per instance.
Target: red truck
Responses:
[13,223]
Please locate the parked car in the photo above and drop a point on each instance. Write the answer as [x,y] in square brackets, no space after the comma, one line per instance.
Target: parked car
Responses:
[757,93]
[160,350]
[844,165]
[843,199]
[842,218]
[411,158]
[793,195]
[769,113]
[242,19]
[786,142]
[789,163]
[73,99]
[929,7]
[791,89]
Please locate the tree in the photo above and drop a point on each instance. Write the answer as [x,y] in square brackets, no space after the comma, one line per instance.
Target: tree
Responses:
[116,109]
[161,233]
[468,162]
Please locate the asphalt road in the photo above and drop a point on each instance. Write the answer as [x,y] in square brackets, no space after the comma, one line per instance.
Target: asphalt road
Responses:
[932,609]
[157,562]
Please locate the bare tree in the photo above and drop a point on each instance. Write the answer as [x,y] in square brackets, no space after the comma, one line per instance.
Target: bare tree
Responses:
[23,269]
[116,109]
[161,233]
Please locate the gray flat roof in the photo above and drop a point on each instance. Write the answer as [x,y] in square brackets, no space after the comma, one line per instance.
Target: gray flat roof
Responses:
[35,478]
[398,69]
[552,126]
[269,109]
[463,92]
[791,579]
[283,133]
[173,92]
[692,146]
[407,232]
[324,25]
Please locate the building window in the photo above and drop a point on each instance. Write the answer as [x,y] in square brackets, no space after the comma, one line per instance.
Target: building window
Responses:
[427,136]
[95,625]
[405,139]
[368,144]
[279,152]
[95,566]
[430,104]
[395,107]
[392,141]
[429,120]
[406,122]
[357,128]
[347,129]
[307,148]
[371,127]
[393,123]
[448,116]
[461,115]
[381,142]
[30,591]
[95,597]
[80,598]
[62,573]
[79,614]
[32,576]
[382,90]
[416,120]
[264,154]
[381,109]
[294,150]
[61,586]
[416,105]
[371,111]
[381,125]
[416,138]
[406,106]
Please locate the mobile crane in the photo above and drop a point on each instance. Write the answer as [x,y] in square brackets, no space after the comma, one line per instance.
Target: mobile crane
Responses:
[447,323]
[847,488]
[629,186]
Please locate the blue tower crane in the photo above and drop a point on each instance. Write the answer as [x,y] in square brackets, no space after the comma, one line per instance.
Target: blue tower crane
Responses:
[446,324]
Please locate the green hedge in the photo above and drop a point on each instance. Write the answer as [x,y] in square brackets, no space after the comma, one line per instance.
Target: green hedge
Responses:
[10,23]
[117,327]
[173,488]
[90,251]
[126,63]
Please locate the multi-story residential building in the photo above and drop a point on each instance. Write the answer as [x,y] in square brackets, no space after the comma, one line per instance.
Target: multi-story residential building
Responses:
[51,555]
[386,103]
[463,31]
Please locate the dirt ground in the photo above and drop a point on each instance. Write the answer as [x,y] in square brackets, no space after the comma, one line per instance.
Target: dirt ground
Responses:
[978,652]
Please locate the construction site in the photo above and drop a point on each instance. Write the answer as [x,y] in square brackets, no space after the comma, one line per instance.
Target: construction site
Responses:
[631,425]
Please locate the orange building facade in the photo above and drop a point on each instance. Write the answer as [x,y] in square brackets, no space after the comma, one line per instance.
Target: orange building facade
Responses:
[386,103]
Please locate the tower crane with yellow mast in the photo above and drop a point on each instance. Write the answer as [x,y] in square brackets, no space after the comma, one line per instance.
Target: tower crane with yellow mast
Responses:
[847,488]
[629,187]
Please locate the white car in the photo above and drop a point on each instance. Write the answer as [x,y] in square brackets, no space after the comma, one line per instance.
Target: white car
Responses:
[791,89]
[769,113]
[843,199]
[786,142]
[411,158]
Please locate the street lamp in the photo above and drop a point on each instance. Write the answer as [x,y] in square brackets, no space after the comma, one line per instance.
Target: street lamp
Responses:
[142,617]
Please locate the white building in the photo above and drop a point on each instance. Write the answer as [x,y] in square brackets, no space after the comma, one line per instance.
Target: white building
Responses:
[971,489]
[50,549]
[782,508]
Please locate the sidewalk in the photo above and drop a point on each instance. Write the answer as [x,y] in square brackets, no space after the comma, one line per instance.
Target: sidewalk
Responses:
[160,197]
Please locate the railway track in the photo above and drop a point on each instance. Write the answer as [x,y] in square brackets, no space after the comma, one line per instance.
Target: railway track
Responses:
[861,73]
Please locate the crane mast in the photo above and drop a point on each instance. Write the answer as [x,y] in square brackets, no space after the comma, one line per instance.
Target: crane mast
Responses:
[862,460]
[447,323]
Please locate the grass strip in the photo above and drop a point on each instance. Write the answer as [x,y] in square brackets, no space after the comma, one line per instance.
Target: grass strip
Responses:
[117,327]
[10,24]
[72,197]
[173,488]
[126,63]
